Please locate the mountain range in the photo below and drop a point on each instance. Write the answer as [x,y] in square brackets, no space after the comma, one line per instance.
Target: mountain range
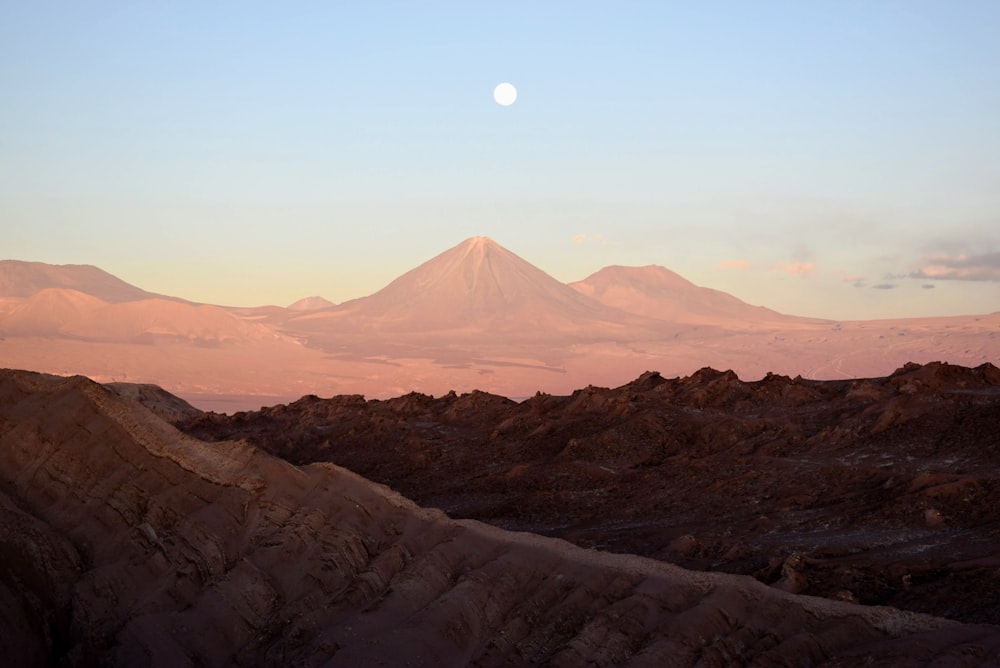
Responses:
[475,316]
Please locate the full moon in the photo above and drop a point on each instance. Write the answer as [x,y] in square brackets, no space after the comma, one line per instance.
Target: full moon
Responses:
[505,94]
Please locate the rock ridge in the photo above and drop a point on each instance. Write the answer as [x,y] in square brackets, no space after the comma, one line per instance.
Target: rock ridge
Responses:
[884,487]
[150,562]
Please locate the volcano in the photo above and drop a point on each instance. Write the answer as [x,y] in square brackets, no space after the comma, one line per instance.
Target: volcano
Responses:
[656,292]
[476,288]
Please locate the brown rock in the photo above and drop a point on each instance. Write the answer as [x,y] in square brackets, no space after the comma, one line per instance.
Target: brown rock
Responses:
[183,551]
[834,470]
[933,518]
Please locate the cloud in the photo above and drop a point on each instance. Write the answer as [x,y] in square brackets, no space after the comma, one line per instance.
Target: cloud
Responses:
[884,286]
[928,286]
[857,280]
[796,268]
[735,264]
[982,267]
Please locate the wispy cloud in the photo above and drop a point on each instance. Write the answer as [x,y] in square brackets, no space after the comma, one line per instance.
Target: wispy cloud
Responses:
[981,267]
[584,238]
[795,268]
[857,280]
[884,286]
[735,264]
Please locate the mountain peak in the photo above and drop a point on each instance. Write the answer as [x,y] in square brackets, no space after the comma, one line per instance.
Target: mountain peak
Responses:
[650,276]
[477,284]
[312,303]
[479,242]
[657,292]
[476,248]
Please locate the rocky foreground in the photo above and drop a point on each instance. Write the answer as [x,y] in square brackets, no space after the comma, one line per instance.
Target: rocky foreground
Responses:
[879,491]
[126,542]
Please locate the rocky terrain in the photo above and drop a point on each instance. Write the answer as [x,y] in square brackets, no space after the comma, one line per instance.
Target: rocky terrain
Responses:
[882,491]
[126,542]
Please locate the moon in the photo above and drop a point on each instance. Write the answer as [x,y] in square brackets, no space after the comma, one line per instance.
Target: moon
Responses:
[505,94]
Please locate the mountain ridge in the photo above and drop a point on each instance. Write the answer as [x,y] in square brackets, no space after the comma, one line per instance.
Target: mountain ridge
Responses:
[21,279]
[657,292]
[836,488]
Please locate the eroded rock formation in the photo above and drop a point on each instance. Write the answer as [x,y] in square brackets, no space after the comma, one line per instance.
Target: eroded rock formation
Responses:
[126,542]
[884,490]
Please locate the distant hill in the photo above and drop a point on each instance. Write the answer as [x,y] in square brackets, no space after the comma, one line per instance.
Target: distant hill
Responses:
[62,312]
[313,303]
[657,292]
[46,312]
[24,279]
[152,320]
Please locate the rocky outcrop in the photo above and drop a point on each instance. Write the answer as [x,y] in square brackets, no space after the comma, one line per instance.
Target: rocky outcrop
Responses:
[885,488]
[156,399]
[125,542]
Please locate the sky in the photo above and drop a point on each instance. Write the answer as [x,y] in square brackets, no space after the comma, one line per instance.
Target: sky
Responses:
[830,159]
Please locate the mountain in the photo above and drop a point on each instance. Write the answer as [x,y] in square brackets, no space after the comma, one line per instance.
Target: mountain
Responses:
[24,279]
[476,316]
[151,320]
[310,304]
[475,288]
[46,312]
[657,292]
[63,312]
[125,542]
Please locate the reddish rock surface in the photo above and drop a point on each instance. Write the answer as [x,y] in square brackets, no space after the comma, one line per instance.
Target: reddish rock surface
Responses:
[879,491]
[125,542]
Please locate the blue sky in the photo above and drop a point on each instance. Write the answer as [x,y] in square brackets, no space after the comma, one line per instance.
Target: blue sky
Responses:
[833,159]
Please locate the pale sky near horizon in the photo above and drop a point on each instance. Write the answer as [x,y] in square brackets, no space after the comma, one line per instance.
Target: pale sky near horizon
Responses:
[833,159]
